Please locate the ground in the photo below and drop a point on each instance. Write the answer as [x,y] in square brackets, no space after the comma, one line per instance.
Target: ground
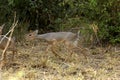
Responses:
[33,63]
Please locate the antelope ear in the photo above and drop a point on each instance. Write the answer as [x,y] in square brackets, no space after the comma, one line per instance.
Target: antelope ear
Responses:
[2,26]
[36,31]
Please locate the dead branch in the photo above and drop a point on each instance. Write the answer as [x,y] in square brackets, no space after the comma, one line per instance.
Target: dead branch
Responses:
[8,42]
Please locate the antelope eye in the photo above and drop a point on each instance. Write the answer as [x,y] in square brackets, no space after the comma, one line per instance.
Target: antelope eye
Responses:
[30,35]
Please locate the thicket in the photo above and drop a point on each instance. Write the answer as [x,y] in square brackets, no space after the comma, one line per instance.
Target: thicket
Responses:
[60,15]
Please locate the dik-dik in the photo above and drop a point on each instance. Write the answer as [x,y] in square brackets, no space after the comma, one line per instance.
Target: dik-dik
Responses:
[11,47]
[69,38]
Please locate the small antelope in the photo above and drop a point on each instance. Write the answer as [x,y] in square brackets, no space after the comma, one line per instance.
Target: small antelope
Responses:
[69,38]
[11,46]
[1,28]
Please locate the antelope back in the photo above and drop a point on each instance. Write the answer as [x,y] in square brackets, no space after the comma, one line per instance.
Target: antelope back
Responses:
[59,36]
[11,47]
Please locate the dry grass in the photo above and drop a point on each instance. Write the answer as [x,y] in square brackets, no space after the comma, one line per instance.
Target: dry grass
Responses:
[33,63]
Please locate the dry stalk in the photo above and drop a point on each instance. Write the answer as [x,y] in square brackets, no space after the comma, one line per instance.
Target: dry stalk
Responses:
[4,51]
[5,36]
[8,42]
[95,29]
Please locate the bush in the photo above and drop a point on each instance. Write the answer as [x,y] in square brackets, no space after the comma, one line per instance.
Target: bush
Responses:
[60,15]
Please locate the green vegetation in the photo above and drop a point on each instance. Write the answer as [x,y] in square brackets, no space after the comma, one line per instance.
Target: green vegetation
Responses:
[98,22]
[62,15]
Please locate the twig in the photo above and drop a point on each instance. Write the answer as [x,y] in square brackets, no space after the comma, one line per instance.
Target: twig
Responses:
[9,39]
[4,51]
[4,36]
